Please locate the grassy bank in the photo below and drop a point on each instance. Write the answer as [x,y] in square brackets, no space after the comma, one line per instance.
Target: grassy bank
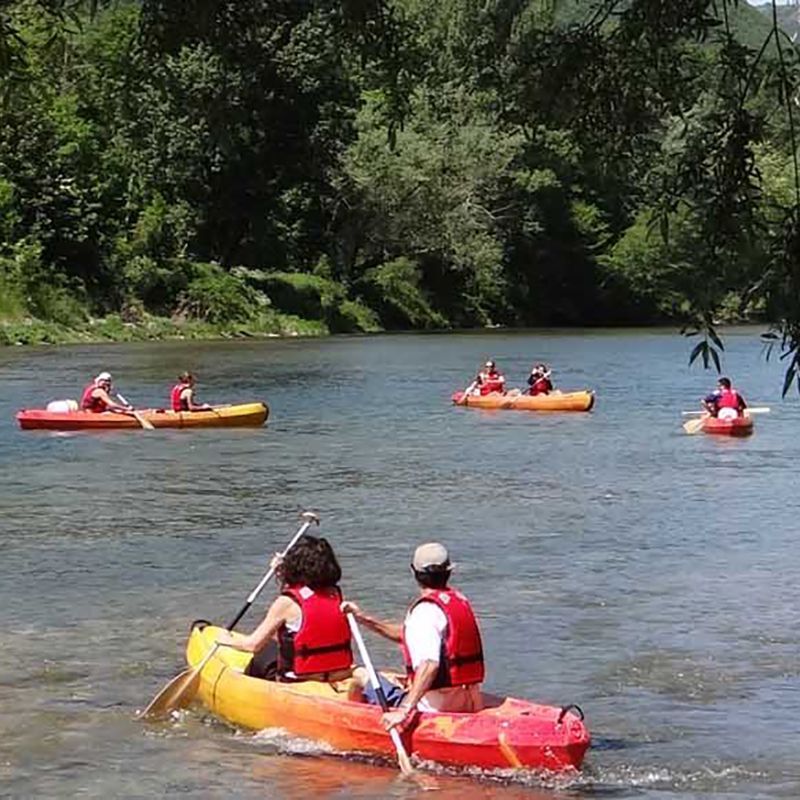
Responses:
[113,328]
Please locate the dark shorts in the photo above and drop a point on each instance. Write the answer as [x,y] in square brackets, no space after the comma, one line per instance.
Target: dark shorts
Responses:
[394,693]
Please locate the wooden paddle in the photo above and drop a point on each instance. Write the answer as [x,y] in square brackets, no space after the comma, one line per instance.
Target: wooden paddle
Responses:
[182,688]
[403,760]
[145,423]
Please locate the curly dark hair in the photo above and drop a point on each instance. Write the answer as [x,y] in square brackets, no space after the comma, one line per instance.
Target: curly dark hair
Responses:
[311,562]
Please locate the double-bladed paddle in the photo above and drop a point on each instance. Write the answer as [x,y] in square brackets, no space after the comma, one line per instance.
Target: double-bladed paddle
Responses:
[182,688]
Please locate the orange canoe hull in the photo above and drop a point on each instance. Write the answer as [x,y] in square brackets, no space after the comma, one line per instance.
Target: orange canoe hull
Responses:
[555,401]
[738,426]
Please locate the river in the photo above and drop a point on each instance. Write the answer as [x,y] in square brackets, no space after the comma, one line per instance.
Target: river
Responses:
[649,576]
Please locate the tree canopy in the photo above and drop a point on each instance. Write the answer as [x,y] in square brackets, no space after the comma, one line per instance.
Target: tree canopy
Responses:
[378,164]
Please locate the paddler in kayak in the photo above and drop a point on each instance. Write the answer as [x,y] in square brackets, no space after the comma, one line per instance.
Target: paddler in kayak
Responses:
[539,380]
[490,379]
[311,629]
[181,396]
[440,641]
[725,402]
[97,398]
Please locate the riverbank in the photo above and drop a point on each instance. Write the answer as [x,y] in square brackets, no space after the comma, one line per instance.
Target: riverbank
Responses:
[112,328]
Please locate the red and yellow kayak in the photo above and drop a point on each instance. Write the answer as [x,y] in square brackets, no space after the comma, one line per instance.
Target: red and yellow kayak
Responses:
[508,733]
[555,401]
[736,426]
[248,414]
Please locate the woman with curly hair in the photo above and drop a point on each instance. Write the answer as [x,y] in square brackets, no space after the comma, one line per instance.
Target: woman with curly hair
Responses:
[306,619]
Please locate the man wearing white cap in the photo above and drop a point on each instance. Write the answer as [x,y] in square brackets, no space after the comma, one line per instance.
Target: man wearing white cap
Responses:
[440,640]
[96,396]
[490,379]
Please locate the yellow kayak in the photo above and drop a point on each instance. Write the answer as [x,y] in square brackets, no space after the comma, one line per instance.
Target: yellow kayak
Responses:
[507,733]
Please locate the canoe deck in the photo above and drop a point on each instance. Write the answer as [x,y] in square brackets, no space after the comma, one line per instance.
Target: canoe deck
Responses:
[244,415]
[554,401]
[508,733]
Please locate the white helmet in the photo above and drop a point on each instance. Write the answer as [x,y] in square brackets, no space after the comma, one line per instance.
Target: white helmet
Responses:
[103,377]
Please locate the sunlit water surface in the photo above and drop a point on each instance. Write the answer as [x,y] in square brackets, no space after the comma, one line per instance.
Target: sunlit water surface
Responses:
[647,575]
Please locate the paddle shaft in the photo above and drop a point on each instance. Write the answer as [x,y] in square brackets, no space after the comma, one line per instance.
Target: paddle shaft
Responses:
[747,410]
[183,687]
[146,424]
[402,755]
[309,520]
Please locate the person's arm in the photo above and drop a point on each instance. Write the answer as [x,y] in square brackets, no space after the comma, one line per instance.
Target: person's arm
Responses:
[389,630]
[742,403]
[281,611]
[188,396]
[111,404]
[424,676]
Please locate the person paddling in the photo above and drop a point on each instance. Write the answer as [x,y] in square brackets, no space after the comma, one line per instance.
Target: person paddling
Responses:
[97,398]
[440,641]
[312,632]
[725,402]
[490,379]
[539,380]
[182,394]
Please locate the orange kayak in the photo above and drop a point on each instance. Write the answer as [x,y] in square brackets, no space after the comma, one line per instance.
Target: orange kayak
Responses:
[555,401]
[225,416]
[508,733]
[736,426]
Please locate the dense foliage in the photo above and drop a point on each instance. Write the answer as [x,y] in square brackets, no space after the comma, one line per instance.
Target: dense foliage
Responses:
[399,163]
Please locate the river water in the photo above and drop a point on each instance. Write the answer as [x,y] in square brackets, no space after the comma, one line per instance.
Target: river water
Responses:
[649,576]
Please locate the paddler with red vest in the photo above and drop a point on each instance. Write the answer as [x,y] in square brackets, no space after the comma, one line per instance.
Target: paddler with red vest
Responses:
[490,379]
[181,396]
[440,641]
[311,629]
[97,398]
[539,380]
[725,402]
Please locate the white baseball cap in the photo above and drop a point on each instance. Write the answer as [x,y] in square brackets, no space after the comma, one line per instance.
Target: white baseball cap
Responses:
[432,556]
[103,376]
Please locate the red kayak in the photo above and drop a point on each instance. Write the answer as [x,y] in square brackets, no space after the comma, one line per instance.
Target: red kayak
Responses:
[736,426]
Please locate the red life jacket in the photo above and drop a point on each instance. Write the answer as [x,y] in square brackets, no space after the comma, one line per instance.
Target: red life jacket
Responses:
[176,401]
[729,398]
[91,403]
[323,642]
[492,382]
[461,659]
[541,386]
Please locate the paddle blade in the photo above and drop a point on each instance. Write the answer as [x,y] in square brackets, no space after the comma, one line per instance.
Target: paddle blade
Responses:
[178,693]
[403,760]
[145,423]
[693,426]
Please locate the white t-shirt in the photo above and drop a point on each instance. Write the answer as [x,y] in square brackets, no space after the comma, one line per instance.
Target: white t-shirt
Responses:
[424,628]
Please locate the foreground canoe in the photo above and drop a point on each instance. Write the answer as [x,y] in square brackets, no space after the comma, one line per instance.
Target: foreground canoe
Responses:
[511,733]
[737,426]
[248,414]
[555,401]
